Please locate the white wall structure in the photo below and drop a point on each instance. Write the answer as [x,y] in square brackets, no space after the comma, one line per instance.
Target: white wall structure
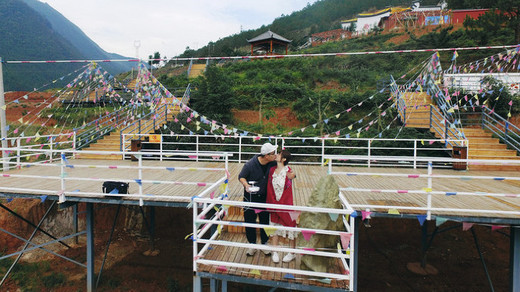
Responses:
[368,21]
[472,81]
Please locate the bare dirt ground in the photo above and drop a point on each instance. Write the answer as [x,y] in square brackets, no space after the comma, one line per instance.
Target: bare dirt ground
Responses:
[386,249]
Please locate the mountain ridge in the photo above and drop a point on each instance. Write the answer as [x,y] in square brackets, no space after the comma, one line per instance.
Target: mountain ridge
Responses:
[32,30]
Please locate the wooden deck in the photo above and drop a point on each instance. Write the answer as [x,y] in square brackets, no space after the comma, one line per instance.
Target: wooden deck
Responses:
[307,177]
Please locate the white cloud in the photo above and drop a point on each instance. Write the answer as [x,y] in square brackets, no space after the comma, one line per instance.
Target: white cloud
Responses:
[168,26]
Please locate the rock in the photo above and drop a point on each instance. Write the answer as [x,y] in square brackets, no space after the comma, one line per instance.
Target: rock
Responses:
[325,194]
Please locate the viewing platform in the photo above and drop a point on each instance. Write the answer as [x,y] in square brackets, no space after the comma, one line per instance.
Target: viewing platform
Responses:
[424,188]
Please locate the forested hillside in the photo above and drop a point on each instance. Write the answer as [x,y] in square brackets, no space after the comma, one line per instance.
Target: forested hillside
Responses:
[319,87]
[298,26]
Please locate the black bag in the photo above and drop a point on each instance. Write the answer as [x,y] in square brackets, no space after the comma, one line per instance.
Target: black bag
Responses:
[109,186]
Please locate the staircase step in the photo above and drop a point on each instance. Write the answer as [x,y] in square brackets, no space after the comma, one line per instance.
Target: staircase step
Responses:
[477,134]
[487,146]
[492,157]
[99,156]
[492,152]
[483,140]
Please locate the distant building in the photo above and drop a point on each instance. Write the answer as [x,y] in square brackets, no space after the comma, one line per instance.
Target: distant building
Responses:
[347,24]
[327,36]
[269,43]
[365,22]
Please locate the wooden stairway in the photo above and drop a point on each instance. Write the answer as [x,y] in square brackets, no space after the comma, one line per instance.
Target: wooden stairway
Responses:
[112,141]
[197,70]
[482,145]
[417,109]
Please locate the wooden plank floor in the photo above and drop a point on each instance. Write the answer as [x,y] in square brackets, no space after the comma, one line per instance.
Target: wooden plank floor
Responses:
[238,255]
[307,177]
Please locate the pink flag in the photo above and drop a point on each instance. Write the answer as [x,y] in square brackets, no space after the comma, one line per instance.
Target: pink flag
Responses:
[466,226]
[307,234]
[496,227]
[345,239]
[510,103]
[365,214]
[294,215]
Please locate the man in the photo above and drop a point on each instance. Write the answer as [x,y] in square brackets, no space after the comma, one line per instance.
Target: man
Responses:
[257,170]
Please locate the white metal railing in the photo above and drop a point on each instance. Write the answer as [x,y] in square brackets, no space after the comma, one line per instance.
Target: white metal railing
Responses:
[114,172]
[428,189]
[20,148]
[305,150]
[344,251]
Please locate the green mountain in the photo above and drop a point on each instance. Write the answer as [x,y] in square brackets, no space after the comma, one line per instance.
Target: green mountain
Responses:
[32,30]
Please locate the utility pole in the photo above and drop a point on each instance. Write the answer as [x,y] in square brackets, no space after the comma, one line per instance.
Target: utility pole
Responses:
[3,121]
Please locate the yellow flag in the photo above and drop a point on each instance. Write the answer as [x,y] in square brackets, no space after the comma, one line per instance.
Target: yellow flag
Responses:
[269,230]
[393,211]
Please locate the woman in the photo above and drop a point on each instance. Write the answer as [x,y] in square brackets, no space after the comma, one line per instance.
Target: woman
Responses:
[279,191]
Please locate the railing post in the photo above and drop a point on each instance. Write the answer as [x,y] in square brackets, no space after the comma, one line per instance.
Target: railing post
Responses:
[415,154]
[445,132]
[194,237]
[50,148]
[74,144]
[322,151]
[62,169]
[226,163]
[140,174]
[431,116]
[429,204]
[121,139]
[197,147]
[369,151]
[161,148]
[239,149]
[18,152]
[506,128]
[122,145]
[482,115]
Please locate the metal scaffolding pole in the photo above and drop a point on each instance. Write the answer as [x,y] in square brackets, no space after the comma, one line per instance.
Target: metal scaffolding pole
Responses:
[91,281]
[3,121]
[27,243]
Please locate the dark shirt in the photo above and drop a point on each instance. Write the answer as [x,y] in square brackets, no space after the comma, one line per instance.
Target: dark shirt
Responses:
[254,171]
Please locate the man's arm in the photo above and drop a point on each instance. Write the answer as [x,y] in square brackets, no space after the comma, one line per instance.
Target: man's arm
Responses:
[244,183]
[242,177]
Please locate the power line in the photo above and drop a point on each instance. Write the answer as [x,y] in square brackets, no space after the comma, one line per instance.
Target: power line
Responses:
[272,56]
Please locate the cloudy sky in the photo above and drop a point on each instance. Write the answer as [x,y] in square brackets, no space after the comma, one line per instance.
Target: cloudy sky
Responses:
[168,26]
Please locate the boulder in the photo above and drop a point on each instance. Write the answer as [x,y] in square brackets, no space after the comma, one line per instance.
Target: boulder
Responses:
[325,195]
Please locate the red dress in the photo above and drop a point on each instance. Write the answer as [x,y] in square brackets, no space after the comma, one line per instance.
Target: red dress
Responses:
[277,215]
